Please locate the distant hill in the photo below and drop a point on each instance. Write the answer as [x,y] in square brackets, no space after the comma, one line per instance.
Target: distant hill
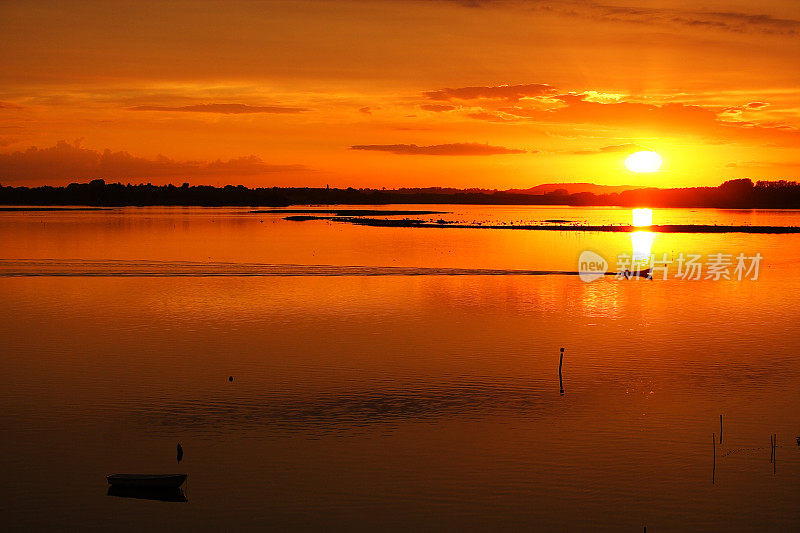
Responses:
[574,188]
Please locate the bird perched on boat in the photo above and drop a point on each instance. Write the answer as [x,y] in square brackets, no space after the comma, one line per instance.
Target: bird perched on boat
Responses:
[180,452]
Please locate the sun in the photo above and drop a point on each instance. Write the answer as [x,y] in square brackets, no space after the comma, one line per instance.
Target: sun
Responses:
[644,161]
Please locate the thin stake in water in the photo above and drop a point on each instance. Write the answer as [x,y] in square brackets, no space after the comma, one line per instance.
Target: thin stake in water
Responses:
[771,449]
[714,464]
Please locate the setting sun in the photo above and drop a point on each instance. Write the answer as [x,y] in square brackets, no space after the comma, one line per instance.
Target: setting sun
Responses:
[644,161]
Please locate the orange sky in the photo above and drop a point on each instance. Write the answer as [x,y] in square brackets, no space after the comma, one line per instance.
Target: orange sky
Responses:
[495,94]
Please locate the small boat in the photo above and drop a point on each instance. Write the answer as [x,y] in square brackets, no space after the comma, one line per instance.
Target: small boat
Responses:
[146,481]
[629,274]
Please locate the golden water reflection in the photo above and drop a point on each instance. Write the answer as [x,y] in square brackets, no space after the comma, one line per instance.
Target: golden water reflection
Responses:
[642,245]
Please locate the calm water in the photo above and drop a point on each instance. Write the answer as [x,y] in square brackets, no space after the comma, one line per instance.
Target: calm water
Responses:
[417,400]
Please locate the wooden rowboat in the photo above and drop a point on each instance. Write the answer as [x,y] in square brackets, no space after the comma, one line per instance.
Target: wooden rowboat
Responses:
[146,481]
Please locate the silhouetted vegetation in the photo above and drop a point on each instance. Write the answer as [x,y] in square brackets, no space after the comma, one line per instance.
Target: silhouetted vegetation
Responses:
[663,228]
[740,193]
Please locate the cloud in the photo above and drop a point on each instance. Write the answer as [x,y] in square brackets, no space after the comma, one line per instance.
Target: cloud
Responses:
[492,117]
[575,108]
[715,123]
[737,110]
[437,108]
[512,93]
[227,109]
[625,147]
[732,21]
[763,164]
[71,161]
[720,124]
[440,149]
[9,105]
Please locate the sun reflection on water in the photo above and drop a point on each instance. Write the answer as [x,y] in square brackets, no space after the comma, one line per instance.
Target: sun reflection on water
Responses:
[642,244]
[642,217]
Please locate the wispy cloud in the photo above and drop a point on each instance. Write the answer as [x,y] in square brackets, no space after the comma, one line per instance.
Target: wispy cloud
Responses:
[440,149]
[614,148]
[511,93]
[733,21]
[227,109]
[714,122]
[437,108]
[723,20]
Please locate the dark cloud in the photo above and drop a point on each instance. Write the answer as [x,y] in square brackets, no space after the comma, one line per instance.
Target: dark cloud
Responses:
[366,110]
[512,93]
[227,109]
[440,149]
[437,108]
[9,105]
[71,161]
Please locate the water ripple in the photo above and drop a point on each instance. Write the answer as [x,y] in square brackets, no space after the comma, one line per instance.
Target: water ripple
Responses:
[137,268]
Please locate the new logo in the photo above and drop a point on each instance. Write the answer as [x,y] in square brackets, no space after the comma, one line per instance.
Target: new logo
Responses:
[591,266]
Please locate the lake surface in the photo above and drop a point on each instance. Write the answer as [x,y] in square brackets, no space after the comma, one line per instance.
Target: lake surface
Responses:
[377,386]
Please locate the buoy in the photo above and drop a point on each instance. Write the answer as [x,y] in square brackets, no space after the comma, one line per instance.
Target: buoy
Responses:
[180,452]
[230,378]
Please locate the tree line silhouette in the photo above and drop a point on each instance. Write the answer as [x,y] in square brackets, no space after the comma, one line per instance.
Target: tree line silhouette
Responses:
[739,193]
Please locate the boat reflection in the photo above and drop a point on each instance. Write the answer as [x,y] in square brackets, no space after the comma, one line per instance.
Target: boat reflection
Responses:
[163,495]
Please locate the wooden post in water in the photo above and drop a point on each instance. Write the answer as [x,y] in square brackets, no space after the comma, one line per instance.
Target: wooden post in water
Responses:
[714,464]
[772,448]
[560,364]
[774,451]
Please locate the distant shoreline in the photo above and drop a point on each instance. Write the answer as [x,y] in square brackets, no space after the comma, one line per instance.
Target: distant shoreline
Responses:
[664,228]
[733,194]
